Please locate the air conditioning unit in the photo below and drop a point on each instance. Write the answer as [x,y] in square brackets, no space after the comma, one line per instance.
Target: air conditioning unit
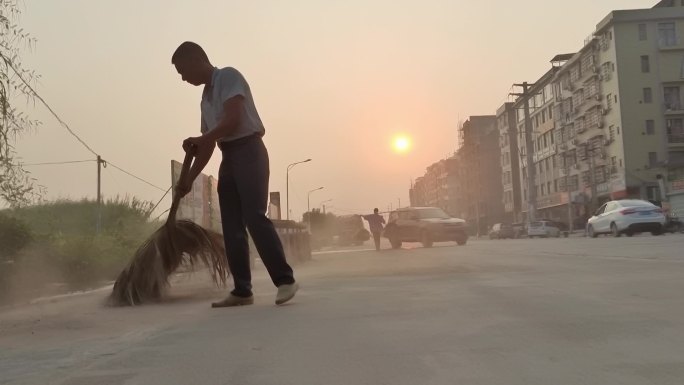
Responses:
[600,124]
[575,141]
[608,142]
[576,166]
[599,97]
[605,111]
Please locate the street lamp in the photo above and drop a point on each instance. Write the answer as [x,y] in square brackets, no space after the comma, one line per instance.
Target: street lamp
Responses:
[308,200]
[287,184]
[322,204]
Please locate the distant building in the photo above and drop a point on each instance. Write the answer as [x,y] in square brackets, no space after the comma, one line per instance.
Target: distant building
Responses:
[507,124]
[437,188]
[481,173]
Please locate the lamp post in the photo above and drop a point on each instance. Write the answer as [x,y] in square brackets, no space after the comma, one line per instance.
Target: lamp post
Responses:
[287,184]
[308,207]
[322,204]
[308,199]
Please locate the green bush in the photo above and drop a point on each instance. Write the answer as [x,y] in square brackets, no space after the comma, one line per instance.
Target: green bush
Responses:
[14,236]
[64,242]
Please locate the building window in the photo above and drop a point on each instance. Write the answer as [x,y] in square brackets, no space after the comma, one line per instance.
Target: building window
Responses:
[650,127]
[667,36]
[609,101]
[555,185]
[611,133]
[675,130]
[645,64]
[618,130]
[652,193]
[643,35]
[648,95]
[550,112]
[672,98]
[652,159]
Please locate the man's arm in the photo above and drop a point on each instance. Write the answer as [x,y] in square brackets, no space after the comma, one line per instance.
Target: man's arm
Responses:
[232,111]
[202,156]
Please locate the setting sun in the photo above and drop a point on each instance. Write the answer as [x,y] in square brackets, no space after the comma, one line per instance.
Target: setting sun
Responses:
[401,144]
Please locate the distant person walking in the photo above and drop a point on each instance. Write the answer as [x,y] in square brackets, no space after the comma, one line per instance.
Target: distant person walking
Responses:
[375,222]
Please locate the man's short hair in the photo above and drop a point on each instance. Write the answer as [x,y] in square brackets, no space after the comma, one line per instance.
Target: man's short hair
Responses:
[189,49]
[375,210]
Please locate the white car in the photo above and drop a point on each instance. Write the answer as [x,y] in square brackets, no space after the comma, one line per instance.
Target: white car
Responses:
[543,229]
[627,216]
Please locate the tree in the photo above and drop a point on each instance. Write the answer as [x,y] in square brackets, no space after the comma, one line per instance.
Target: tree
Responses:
[16,185]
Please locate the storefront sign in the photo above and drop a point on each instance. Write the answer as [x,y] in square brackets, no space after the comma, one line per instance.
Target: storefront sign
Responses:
[677,185]
[603,188]
[617,185]
[552,200]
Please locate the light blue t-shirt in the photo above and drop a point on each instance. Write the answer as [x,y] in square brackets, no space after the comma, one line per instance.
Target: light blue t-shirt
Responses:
[225,84]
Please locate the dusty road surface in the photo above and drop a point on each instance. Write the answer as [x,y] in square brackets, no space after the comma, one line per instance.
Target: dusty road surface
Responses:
[561,311]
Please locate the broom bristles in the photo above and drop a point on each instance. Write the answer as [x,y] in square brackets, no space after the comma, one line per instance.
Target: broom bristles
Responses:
[177,243]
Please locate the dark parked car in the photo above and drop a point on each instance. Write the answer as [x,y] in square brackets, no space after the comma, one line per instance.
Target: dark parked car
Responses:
[519,230]
[426,225]
[502,231]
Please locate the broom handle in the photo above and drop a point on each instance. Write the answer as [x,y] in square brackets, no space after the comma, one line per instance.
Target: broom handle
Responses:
[187,162]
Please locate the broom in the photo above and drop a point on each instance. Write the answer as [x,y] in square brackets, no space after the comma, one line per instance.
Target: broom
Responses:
[176,243]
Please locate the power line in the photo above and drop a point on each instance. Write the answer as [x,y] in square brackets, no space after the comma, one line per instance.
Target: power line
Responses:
[160,200]
[9,64]
[66,126]
[58,163]
[135,176]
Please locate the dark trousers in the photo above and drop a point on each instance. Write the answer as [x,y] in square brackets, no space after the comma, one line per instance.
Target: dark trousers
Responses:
[243,197]
[376,238]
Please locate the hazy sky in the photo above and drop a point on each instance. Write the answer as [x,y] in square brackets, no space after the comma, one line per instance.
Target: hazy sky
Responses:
[334,81]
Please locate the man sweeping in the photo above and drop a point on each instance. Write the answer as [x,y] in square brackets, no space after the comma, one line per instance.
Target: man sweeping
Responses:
[231,122]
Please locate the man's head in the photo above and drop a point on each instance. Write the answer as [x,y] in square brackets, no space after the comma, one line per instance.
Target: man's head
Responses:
[375,210]
[192,63]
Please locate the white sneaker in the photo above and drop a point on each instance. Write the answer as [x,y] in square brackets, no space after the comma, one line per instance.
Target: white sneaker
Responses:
[286,293]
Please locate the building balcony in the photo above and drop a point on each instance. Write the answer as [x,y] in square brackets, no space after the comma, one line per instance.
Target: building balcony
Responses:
[670,43]
[676,139]
[676,108]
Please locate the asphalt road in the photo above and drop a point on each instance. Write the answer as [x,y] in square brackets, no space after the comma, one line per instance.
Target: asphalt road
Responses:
[548,311]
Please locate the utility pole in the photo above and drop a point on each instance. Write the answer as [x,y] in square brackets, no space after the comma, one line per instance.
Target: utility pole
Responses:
[100,163]
[566,168]
[529,152]
[592,175]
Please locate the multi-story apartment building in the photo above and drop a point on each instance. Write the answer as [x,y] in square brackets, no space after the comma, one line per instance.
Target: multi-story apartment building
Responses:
[507,123]
[438,187]
[481,175]
[549,197]
[609,121]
